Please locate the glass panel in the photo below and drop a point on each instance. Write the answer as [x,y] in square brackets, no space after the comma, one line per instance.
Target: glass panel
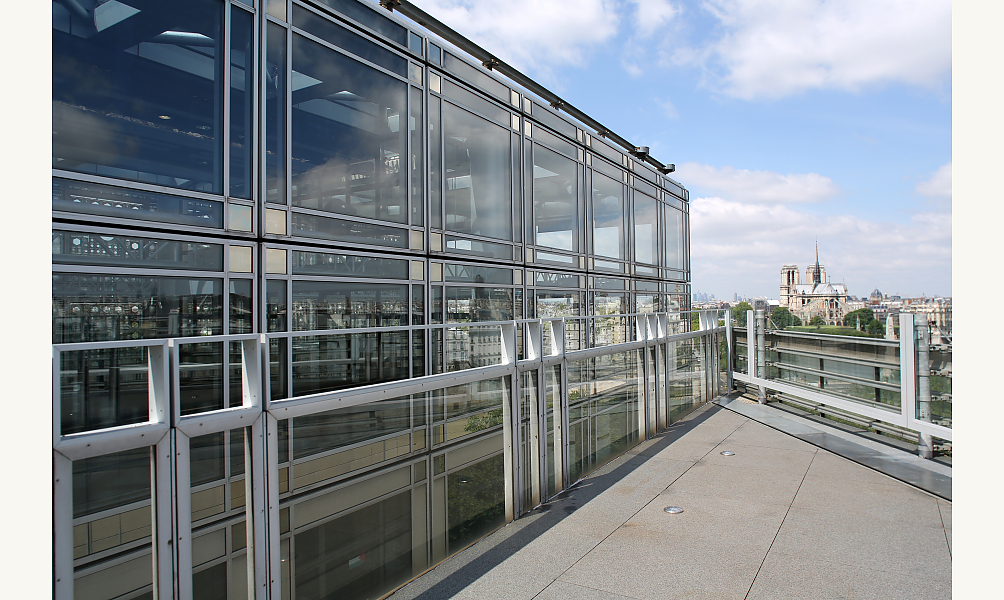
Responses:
[673,253]
[471,408]
[605,150]
[322,363]
[478,248]
[435,54]
[347,135]
[340,230]
[646,237]
[157,120]
[554,122]
[608,217]
[278,362]
[475,501]
[242,79]
[610,330]
[470,347]
[555,200]
[112,520]
[94,308]
[603,399]
[275,114]
[275,305]
[363,554]
[474,102]
[418,305]
[555,143]
[73,248]
[200,377]
[347,40]
[103,388]
[241,306]
[685,377]
[552,407]
[370,18]
[477,78]
[478,304]
[478,185]
[110,201]
[435,162]
[477,274]
[415,125]
[335,305]
[344,265]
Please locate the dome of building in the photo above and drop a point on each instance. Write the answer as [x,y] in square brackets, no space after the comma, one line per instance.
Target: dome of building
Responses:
[876,295]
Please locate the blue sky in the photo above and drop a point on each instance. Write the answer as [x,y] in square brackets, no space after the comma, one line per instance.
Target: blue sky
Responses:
[788,120]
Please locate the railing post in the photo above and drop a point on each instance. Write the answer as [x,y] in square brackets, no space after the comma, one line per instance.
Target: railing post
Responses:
[730,350]
[925,449]
[761,355]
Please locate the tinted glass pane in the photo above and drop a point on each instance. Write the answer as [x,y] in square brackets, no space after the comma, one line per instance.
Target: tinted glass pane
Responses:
[674,238]
[435,162]
[241,306]
[418,307]
[322,263]
[608,217]
[275,114]
[336,305]
[477,274]
[348,135]
[322,363]
[417,153]
[200,377]
[275,305]
[110,201]
[605,150]
[93,308]
[646,248]
[347,40]
[475,501]
[474,102]
[134,251]
[241,108]
[137,93]
[471,75]
[375,21]
[554,142]
[554,122]
[110,481]
[477,304]
[478,192]
[555,200]
[341,230]
[332,429]
[103,388]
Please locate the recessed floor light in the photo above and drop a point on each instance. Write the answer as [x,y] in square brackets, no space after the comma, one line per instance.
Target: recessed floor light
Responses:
[673,510]
[728,453]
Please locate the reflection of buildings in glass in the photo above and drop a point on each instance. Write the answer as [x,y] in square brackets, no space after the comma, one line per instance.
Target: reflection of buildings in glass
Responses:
[159,150]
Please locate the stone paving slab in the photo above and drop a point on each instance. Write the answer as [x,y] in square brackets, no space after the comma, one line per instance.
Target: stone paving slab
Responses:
[780,519]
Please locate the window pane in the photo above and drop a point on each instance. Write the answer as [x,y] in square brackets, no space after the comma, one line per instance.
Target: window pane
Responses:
[674,238]
[417,152]
[478,182]
[73,248]
[323,263]
[370,18]
[335,305]
[94,308]
[322,363]
[347,40]
[275,305]
[348,135]
[478,304]
[111,201]
[473,76]
[435,162]
[608,217]
[645,228]
[241,97]
[275,114]
[241,306]
[137,94]
[555,200]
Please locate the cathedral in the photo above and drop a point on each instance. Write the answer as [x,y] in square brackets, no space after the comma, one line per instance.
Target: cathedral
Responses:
[815,297]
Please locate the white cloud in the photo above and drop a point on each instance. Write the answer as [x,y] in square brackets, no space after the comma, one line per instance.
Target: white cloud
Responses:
[651,15]
[740,247]
[668,109]
[528,34]
[939,185]
[770,49]
[765,187]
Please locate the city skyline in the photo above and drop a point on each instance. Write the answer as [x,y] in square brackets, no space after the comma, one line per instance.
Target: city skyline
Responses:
[839,129]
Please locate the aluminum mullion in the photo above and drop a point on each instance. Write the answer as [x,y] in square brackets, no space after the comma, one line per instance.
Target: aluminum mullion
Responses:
[88,444]
[62,526]
[183,498]
[227,68]
[908,369]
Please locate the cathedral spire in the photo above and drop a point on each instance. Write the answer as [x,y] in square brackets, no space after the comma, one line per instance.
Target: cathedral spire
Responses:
[816,277]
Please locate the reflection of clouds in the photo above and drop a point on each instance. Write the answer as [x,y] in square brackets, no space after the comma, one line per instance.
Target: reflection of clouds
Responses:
[80,134]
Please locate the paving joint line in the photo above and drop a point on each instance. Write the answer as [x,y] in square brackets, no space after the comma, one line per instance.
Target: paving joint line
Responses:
[778,532]
[677,478]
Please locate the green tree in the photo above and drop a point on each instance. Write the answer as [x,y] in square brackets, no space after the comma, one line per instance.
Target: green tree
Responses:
[865,314]
[817,321]
[875,326]
[782,317]
[739,312]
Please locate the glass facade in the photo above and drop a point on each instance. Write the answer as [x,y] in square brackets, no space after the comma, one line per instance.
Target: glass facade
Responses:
[267,217]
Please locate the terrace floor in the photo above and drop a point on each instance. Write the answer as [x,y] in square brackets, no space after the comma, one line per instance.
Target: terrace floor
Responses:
[782,518]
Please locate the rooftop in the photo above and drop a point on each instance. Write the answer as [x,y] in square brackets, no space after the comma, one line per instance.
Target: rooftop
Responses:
[781,518]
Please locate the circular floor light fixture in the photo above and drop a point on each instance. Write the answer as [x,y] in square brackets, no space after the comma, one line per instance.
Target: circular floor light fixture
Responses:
[673,510]
[728,453]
